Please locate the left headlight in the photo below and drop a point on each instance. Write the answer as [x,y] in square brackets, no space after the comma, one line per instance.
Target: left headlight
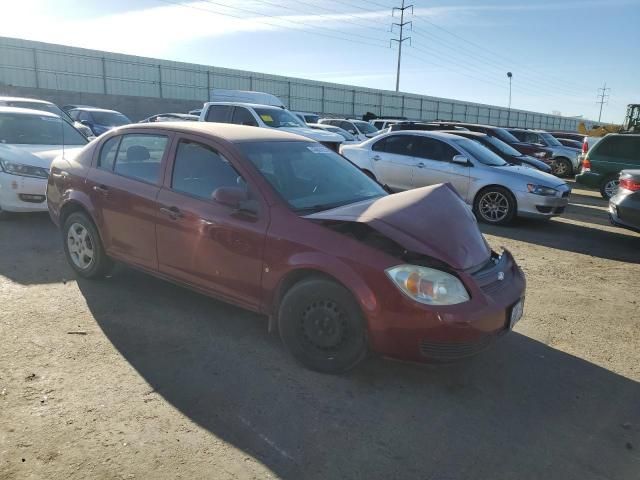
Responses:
[23,170]
[427,285]
[541,190]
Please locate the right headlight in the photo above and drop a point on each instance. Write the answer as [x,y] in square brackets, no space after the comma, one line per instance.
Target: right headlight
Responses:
[22,170]
[428,285]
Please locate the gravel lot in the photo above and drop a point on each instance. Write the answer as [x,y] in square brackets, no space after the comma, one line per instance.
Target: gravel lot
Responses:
[133,377]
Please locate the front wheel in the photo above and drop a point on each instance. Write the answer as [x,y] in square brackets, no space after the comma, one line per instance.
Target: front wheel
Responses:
[495,205]
[322,326]
[83,247]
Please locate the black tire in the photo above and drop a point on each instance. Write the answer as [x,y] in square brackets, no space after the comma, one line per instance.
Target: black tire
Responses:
[100,263]
[605,187]
[322,326]
[562,167]
[503,198]
[4,215]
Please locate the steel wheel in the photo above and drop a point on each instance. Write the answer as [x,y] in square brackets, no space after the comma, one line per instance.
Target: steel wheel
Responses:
[80,246]
[493,206]
[323,326]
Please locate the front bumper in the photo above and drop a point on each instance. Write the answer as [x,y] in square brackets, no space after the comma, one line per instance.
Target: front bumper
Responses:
[415,332]
[22,194]
[624,213]
[589,179]
[541,206]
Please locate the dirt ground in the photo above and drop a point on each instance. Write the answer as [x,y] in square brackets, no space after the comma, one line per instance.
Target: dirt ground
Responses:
[133,377]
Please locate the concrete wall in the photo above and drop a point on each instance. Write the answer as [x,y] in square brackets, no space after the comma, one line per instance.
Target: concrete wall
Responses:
[136,108]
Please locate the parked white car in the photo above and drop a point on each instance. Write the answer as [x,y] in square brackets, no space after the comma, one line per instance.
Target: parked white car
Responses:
[44,106]
[497,190]
[308,118]
[29,141]
[358,128]
[383,123]
[266,116]
[348,138]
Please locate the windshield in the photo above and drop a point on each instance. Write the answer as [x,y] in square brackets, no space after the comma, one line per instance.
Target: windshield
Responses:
[311,118]
[365,127]
[110,119]
[309,176]
[340,131]
[502,147]
[20,129]
[278,118]
[505,135]
[479,152]
[43,107]
[550,139]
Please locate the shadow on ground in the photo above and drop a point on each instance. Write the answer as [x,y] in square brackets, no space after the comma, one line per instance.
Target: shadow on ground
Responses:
[521,410]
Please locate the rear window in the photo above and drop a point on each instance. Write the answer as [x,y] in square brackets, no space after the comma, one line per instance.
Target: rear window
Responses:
[622,147]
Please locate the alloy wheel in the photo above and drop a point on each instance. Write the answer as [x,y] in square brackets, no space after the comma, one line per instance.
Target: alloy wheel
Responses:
[493,206]
[611,187]
[560,169]
[80,246]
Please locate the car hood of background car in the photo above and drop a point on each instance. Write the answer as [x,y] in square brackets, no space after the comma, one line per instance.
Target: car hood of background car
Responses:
[35,155]
[432,221]
[530,175]
[313,134]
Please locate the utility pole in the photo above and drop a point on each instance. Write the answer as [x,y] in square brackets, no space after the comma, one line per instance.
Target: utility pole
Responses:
[602,98]
[402,38]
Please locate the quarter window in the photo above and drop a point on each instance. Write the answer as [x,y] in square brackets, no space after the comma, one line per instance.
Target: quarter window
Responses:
[140,156]
[108,153]
[199,170]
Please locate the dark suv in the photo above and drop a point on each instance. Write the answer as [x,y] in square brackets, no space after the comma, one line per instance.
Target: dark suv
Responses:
[605,161]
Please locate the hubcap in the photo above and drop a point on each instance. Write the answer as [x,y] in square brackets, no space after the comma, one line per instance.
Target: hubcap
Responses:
[560,168]
[611,188]
[80,246]
[324,325]
[494,206]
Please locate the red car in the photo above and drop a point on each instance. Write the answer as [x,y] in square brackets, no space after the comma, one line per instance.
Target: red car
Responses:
[278,224]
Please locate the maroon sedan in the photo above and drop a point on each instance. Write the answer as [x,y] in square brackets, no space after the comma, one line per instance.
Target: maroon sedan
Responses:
[283,226]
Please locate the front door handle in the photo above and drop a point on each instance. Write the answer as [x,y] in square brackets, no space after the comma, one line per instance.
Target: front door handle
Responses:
[173,212]
[101,189]
[377,157]
[420,165]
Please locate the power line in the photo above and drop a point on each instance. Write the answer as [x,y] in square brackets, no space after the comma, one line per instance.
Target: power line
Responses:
[402,38]
[603,97]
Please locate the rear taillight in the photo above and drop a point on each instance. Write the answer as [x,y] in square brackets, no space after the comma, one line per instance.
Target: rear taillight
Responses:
[586,165]
[629,184]
[585,146]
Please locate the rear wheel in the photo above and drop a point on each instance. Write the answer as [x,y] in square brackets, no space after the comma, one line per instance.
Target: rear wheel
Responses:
[562,167]
[609,187]
[83,247]
[4,214]
[322,326]
[495,205]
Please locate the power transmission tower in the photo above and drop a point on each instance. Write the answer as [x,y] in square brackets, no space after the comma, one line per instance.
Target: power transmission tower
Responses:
[603,97]
[402,38]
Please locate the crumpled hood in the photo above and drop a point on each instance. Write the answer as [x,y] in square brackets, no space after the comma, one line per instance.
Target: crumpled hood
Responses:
[35,155]
[313,134]
[432,221]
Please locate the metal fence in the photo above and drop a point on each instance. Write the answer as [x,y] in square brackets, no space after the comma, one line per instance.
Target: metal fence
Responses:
[25,63]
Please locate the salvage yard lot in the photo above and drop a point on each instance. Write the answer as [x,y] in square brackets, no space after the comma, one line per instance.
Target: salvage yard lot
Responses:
[133,377]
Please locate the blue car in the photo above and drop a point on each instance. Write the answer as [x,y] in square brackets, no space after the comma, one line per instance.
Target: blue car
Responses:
[99,120]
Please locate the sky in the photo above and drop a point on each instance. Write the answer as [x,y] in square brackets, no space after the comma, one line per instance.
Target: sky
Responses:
[559,52]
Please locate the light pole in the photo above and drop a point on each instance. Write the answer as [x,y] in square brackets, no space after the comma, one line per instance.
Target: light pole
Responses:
[510,75]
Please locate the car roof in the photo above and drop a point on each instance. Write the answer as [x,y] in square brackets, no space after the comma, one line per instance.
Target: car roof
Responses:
[95,109]
[25,99]
[467,133]
[225,131]
[27,111]
[245,104]
[427,133]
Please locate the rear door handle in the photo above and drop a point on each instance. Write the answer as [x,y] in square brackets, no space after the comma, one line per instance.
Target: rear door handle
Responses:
[377,157]
[420,165]
[101,189]
[173,212]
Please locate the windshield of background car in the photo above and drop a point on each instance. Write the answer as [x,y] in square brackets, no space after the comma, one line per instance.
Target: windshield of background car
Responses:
[503,147]
[479,152]
[340,131]
[111,119]
[365,127]
[278,118]
[505,135]
[550,139]
[311,118]
[44,107]
[19,129]
[309,176]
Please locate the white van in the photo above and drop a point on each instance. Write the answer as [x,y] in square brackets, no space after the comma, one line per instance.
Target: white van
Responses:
[266,116]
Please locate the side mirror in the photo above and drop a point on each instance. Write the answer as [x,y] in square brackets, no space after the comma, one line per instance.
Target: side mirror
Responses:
[461,160]
[235,197]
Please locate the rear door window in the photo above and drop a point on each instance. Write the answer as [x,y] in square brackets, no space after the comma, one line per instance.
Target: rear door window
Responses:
[219,113]
[242,116]
[623,147]
[199,170]
[140,155]
[397,144]
[432,149]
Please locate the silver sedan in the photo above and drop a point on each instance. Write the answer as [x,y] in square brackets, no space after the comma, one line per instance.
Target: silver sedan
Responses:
[497,190]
